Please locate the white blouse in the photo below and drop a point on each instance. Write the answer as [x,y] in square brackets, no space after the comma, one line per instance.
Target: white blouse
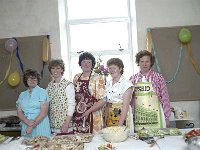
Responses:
[115,92]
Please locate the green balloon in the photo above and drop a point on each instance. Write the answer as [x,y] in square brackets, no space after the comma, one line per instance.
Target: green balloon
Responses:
[184,35]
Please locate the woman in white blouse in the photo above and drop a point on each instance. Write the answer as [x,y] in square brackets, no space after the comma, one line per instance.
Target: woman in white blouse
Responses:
[118,91]
[117,97]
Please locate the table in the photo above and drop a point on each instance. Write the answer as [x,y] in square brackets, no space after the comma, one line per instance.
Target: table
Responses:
[167,143]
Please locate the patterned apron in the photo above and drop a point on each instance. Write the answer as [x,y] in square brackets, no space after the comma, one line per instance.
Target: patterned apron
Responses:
[84,101]
[148,111]
[114,113]
[58,105]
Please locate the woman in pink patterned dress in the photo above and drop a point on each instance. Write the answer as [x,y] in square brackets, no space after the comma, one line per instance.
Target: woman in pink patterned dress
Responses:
[150,100]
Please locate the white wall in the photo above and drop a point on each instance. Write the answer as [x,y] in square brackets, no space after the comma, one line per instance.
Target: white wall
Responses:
[165,13]
[21,18]
[168,13]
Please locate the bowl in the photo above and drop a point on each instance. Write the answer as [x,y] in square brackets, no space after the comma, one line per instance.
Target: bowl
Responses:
[115,134]
[193,143]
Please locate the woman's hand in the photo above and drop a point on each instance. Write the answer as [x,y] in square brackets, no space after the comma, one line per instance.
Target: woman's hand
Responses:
[86,114]
[64,128]
[29,130]
[167,123]
[31,123]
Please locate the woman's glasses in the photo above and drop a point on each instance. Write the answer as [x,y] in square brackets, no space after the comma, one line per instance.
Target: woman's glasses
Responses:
[32,79]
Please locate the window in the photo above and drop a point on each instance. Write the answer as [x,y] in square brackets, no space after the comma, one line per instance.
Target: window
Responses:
[102,27]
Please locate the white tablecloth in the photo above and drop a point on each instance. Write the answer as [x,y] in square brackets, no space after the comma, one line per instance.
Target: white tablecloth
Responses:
[167,143]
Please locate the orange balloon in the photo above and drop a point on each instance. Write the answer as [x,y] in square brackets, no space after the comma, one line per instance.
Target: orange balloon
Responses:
[14,79]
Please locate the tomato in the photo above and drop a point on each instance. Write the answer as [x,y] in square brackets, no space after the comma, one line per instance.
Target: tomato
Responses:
[189,136]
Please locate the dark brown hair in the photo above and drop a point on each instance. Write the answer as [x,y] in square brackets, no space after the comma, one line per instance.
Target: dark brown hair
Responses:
[31,73]
[116,61]
[87,56]
[143,53]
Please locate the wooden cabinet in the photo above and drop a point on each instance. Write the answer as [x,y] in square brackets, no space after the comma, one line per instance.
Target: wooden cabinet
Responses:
[11,133]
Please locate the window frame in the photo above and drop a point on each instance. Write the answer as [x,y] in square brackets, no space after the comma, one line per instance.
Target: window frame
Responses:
[131,26]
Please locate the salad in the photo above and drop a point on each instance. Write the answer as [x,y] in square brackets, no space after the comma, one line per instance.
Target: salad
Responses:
[106,146]
[158,132]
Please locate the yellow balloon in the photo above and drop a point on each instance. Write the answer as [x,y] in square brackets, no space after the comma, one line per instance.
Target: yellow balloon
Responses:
[14,79]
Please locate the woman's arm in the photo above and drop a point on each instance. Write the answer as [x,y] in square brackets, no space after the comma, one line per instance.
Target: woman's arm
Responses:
[70,93]
[126,102]
[95,107]
[76,78]
[44,110]
[164,98]
[65,126]
[23,118]
[97,89]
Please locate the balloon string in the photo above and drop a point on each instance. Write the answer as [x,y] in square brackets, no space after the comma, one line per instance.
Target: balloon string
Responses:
[42,69]
[8,70]
[157,63]
[20,62]
[177,66]
[192,61]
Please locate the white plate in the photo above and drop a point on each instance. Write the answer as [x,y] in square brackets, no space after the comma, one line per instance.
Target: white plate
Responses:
[114,147]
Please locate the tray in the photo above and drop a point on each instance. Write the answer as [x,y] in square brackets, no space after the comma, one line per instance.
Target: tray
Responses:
[158,132]
[82,137]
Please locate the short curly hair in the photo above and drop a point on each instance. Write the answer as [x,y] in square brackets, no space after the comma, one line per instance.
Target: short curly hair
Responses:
[116,61]
[143,53]
[56,62]
[87,56]
[31,73]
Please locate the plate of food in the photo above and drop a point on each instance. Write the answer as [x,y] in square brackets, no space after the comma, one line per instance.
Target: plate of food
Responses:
[62,146]
[106,146]
[158,132]
[85,138]
[44,143]
[191,134]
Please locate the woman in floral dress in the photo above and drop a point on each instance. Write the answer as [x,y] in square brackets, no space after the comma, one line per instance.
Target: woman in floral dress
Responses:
[62,98]
[89,89]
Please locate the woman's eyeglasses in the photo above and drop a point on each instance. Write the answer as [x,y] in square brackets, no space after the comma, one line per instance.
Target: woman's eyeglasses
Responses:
[32,79]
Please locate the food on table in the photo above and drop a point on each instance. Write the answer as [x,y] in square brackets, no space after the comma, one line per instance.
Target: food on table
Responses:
[61,142]
[106,146]
[192,133]
[63,146]
[158,132]
[115,133]
[2,138]
[85,138]
[35,140]
[114,129]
